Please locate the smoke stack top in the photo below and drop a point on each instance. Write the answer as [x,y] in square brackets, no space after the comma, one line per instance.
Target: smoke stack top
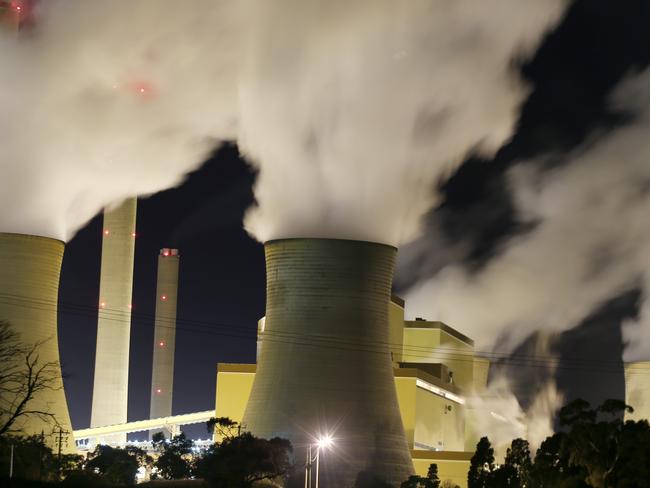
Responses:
[352,111]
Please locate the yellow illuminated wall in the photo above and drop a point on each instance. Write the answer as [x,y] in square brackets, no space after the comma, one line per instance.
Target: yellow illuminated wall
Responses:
[407,400]
[395,329]
[234,384]
[430,421]
[452,466]
[434,342]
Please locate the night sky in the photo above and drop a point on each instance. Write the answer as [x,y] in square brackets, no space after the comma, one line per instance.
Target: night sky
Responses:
[221,292]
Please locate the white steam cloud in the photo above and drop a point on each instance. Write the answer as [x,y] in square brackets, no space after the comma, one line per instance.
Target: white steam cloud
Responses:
[591,243]
[351,110]
[354,110]
[497,414]
[104,100]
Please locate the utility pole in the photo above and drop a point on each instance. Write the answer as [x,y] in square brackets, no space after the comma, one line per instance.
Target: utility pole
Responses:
[62,437]
[40,457]
[11,462]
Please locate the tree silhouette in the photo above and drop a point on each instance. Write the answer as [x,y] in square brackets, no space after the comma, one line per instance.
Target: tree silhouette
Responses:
[24,376]
[241,461]
[481,465]
[172,462]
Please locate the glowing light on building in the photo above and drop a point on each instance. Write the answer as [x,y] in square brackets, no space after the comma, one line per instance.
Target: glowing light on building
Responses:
[106,232]
[425,385]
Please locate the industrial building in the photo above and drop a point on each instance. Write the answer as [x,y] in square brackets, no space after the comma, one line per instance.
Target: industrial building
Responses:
[323,309]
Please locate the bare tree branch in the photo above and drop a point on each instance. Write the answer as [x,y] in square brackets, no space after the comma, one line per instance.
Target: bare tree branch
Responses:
[24,377]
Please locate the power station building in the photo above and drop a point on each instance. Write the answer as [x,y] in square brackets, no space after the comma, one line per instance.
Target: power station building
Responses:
[319,349]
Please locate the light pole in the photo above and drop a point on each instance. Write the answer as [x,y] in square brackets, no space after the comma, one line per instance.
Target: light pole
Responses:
[322,443]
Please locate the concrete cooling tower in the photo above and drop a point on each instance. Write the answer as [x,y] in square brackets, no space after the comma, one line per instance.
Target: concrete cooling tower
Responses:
[111,380]
[637,389]
[164,338]
[29,287]
[325,366]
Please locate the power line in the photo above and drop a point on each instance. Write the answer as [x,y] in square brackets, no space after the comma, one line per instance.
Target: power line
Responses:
[316,340]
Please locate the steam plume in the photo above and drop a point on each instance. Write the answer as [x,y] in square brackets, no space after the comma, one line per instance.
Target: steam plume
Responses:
[104,100]
[590,243]
[501,417]
[351,110]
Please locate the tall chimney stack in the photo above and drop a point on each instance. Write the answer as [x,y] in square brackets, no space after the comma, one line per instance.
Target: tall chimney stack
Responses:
[29,287]
[164,339]
[111,385]
[325,366]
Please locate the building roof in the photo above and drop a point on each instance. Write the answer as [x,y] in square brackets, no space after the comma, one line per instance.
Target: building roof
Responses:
[423,375]
[397,300]
[426,324]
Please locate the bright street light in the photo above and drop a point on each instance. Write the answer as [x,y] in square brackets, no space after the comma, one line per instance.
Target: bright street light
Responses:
[324,442]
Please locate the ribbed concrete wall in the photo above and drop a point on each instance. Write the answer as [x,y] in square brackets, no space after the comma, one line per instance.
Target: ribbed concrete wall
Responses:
[111,383]
[637,389]
[164,339]
[29,286]
[325,365]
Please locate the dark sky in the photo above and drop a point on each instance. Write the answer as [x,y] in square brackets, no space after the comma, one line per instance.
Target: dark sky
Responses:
[221,292]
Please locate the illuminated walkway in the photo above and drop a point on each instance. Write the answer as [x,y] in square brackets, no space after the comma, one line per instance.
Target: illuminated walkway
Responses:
[88,438]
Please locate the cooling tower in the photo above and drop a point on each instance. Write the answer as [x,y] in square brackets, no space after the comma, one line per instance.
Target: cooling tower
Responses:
[111,384]
[637,389]
[164,339]
[29,287]
[325,365]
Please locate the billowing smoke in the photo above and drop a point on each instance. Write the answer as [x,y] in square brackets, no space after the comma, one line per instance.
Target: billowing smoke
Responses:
[354,110]
[103,100]
[498,415]
[590,242]
[351,110]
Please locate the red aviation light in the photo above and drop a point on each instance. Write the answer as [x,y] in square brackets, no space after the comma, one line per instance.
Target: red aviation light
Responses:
[143,89]
[106,232]
[161,343]
[102,304]
[164,297]
[132,234]
[158,390]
